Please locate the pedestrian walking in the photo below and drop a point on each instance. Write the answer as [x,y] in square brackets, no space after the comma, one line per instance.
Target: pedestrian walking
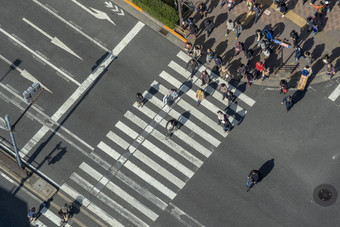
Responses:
[328,6]
[193,65]
[241,71]
[210,55]
[230,97]
[171,126]
[294,36]
[283,86]
[320,10]
[238,29]
[265,72]
[197,52]
[200,96]
[218,62]
[266,53]
[31,215]
[223,2]
[309,58]
[257,10]
[202,9]
[258,35]
[193,30]
[288,101]
[224,89]
[326,59]
[306,71]
[239,46]
[282,7]
[139,99]
[188,48]
[249,78]
[330,70]
[315,28]
[170,97]
[259,69]
[205,78]
[249,55]
[222,118]
[209,26]
[298,53]
[310,22]
[225,73]
[250,6]
[252,179]
[229,26]
[231,4]
[268,34]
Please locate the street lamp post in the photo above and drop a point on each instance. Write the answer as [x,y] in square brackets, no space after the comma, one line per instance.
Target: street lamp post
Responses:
[8,123]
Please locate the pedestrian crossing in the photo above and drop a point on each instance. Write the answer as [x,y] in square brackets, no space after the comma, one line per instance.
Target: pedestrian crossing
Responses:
[135,171]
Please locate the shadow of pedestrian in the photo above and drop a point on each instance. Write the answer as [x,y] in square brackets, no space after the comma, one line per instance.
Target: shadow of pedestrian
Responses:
[221,19]
[221,47]
[57,157]
[266,168]
[249,41]
[184,117]
[294,79]
[75,207]
[291,4]
[308,44]
[334,55]
[152,91]
[278,29]
[298,95]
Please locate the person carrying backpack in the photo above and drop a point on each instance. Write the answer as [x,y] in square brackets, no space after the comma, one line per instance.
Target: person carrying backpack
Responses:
[170,97]
[222,118]
[209,26]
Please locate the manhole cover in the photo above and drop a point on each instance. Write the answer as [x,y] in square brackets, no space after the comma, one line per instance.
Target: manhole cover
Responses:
[325,195]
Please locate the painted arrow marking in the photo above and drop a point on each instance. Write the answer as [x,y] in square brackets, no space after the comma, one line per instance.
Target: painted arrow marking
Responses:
[25,74]
[97,14]
[54,40]
[116,9]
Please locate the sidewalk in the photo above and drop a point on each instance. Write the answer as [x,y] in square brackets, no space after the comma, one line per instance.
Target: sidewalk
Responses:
[326,41]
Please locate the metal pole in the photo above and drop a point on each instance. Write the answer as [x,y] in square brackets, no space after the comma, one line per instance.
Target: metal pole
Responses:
[13,140]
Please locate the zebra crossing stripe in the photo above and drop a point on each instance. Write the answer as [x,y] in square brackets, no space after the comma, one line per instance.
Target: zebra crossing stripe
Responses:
[152,164]
[107,200]
[38,223]
[335,94]
[212,91]
[246,99]
[118,191]
[119,141]
[92,207]
[150,180]
[172,145]
[166,76]
[108,150]
[189,124]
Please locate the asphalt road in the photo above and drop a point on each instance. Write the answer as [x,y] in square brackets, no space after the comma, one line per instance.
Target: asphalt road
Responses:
[88,136]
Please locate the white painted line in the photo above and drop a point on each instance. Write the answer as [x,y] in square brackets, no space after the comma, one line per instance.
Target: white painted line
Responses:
[38,223]
[24,73]
[158,152]
[127,130]
[92,207]
[70,25]
[121,193]
[183,217]
[152,164]
[210,90]
[169,143]
[68,77]
[246,99]
[51,216]
[90,171]
[208,105]
[107,200]
[335,94]
[33,141]
[142,191]
[186,122]
[108,150]
[54,40]
[85,85]
[150,180]
[118,140]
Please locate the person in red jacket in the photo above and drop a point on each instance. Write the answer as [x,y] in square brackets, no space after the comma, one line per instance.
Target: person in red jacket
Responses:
[259,69]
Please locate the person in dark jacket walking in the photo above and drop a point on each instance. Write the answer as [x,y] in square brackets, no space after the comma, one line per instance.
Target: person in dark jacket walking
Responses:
[32,216]
[294,36]
[205,78]
[193,30]
[288,101]
[253,178]
[222,118]
[283,86]
[298,53]
[257,10]
[193,65]
[139,99]
[209,26]
[202,9]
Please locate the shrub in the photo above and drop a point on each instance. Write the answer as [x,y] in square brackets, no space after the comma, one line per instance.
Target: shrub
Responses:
[159,10]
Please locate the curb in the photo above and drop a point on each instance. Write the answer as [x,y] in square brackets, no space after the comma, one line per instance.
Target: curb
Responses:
[26,177]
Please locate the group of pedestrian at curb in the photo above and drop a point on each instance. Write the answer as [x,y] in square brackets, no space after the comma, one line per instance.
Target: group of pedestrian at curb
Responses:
[64,213]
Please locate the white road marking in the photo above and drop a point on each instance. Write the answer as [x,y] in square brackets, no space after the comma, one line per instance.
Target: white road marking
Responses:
[108,150]
[97,14]
[121,193]
[150,180]
[335,94]
[149,162]
[246,99]
[92,207]
[107,200]
[24,73]
[118,140]
[169,143]
[183,217]
[68,77]
[71,25]
[85,85]
[51,216]
[158,152]
[54,40]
